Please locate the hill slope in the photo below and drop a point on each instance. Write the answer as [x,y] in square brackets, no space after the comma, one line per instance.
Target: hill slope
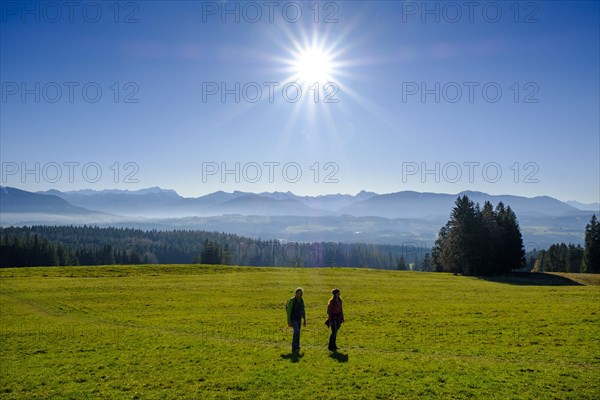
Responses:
[20,201]
[220,332]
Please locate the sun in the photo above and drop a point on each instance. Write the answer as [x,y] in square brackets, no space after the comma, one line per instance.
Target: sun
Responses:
[312,65]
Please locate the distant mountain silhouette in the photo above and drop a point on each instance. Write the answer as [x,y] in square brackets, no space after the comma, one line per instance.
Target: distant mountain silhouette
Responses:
[167,203]
[135,203]
[540,205]
[595,207]
[409,204]
[401,217]
[335,202]
[405,204]
[20,201]
[253,204]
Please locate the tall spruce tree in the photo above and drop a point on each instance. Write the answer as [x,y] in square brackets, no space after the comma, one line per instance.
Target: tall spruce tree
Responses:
[512,254]
[575,258]
[490,243]
[437,253]
[591,254]
[456,248]
[427,264]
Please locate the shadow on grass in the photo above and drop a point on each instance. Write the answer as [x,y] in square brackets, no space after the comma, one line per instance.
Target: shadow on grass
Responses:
[532,279]
[293,357]
[339,357]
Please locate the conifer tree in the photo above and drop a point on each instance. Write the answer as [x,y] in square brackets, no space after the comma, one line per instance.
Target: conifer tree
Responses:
[511,240]
[591,253]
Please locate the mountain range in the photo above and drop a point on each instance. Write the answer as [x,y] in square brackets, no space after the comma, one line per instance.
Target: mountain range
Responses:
[157,202]
[584,206]
[366,216]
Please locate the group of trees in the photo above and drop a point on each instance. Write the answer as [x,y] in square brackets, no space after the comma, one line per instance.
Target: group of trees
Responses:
[87,245]
[559,258]
[487,241]
[31,250]
[90,245]
[212,253]
[571,258]
[475,241]
[479,241]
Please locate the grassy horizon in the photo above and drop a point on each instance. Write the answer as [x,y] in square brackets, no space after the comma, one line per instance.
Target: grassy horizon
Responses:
[188,331]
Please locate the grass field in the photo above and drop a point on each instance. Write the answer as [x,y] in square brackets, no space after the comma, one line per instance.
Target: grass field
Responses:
[220,332]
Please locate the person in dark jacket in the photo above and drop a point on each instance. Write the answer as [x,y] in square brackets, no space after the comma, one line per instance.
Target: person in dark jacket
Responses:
[295,315]
[335,317]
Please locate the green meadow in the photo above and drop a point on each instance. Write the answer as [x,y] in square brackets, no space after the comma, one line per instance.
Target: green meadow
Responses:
[212,332]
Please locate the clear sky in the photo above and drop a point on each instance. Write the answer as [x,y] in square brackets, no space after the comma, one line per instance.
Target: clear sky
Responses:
[501,97]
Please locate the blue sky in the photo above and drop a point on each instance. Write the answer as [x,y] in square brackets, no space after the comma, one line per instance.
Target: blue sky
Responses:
[540,135]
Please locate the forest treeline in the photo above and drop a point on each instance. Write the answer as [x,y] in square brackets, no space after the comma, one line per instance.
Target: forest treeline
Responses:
[90,245]
[561,257]
[475,241]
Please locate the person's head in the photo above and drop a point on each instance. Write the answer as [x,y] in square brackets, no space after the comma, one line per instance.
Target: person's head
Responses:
[299,292]
[336,293]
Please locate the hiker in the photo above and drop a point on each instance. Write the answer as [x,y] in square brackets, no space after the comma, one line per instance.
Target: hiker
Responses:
[335,317]
[295,315]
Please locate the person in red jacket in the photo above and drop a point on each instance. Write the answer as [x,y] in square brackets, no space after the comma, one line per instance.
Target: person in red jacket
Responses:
[336,317]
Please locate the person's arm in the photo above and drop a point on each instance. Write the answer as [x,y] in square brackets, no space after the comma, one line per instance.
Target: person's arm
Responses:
[303,312]
[288,309]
